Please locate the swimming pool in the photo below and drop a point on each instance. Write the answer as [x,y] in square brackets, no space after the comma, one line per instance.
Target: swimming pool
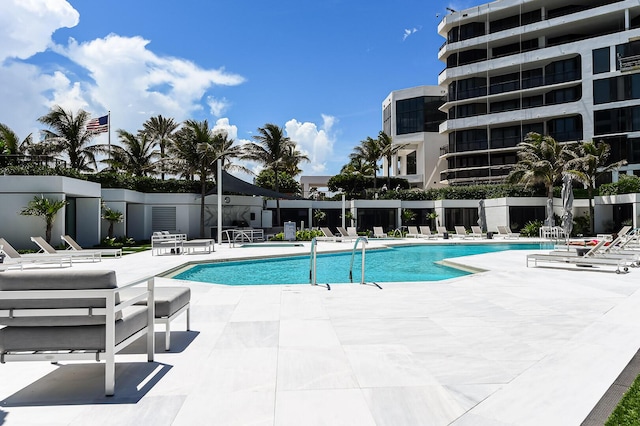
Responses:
[396,264]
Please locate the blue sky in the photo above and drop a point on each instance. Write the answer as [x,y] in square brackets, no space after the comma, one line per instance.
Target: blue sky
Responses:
[319,69]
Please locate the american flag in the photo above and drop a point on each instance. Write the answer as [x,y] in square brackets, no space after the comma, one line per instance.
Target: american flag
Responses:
[98,125]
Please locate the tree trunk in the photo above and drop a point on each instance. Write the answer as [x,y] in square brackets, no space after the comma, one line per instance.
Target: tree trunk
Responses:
[278,198]
[591,210]
[47,235]
[110,230]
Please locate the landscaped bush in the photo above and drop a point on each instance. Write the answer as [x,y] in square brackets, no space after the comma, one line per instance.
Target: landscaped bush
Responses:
[531,228]
[628,184]
[306,235]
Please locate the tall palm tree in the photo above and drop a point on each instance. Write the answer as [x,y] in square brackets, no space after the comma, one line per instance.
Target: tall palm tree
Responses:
[291,163]
[388,151]
[10,142]
[588,165]
[541,159]
[136,154]
[196,150]
[161,131]
[271,149]
[370,152]
[357,166]
[69,135]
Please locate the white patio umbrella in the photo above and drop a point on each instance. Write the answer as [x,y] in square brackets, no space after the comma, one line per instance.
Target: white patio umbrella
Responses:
[482,216]
[567,205]
[550,221]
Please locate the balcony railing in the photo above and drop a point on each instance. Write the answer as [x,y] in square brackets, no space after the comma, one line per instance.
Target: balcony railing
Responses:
[629,63]
[40,160]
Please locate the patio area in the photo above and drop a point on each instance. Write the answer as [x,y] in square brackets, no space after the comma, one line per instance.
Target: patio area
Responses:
[510,346]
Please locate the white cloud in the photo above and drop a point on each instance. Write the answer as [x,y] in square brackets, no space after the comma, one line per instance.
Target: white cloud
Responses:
[217,106]
[26,26]
[408,32]
[135,83]
[316,143]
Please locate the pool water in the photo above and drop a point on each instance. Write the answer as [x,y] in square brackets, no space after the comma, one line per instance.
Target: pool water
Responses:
[397,264]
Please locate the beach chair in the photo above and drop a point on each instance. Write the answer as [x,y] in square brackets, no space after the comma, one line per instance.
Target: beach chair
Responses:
[351,230]
[73,245]
[16,259]
[425,232]
[591,258]
[441,231]
[328,235]
[378,232]
[476,232]
[461,232]
[345,235]
[505,232]
[45,247]
[72,316]
[413,232]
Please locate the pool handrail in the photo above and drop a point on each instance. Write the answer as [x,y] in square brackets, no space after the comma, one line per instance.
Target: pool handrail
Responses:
[353,253]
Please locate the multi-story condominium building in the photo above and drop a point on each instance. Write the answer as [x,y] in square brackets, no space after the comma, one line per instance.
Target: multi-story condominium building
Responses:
[564,68]
[412,118]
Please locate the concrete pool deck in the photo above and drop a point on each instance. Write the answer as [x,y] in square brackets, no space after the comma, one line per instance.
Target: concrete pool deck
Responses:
[510,346]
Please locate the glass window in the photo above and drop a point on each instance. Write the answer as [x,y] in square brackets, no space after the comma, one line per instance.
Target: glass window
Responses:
[601,91]
[601,60]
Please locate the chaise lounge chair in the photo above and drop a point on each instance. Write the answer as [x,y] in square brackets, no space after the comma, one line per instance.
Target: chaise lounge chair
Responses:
[72,315]
[328,235]
[461,232]
[505,232]
[17,259]
[45,247]
[593,257]
[425,232]
[476,232]
[441,231]
[413,232]
[378,232]
[74,246]
[352,231]
[345,235]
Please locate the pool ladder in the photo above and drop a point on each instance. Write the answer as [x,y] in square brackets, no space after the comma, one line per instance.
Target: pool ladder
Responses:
[314,256]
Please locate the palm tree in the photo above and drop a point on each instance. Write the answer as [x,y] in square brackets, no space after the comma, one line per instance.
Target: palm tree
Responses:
[196,151]
[70,136]
[588,165]
[291,163]
[10,142]
[135,156]
[161,131]
[111,216]
[357,166]
[46,209]
[271,149]
[388,151]
[370,152]
[541,159]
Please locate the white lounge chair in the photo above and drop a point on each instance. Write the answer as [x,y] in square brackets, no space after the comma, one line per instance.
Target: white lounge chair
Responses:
[461,231]
[16,259]
[45,247]
[476,232]
[378,232]
[413,232]
[441,231]
[72,315]
[425,232]
[351,230]
[328,235]
[344,234]
[505,232]
[73,245]
[594,257]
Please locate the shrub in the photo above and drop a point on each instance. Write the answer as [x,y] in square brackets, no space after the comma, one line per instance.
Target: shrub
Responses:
[531,228]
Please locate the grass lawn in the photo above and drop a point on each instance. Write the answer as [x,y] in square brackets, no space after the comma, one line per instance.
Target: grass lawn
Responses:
[627,413]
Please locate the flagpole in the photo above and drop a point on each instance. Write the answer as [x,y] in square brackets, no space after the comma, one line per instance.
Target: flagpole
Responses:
[109,132]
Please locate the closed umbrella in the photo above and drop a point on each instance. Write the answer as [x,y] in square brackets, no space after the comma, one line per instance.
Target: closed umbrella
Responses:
[567,205]
[482,216]
[550,221]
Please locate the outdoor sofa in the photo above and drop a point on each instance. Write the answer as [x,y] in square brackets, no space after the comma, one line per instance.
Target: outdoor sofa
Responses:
[72,315]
